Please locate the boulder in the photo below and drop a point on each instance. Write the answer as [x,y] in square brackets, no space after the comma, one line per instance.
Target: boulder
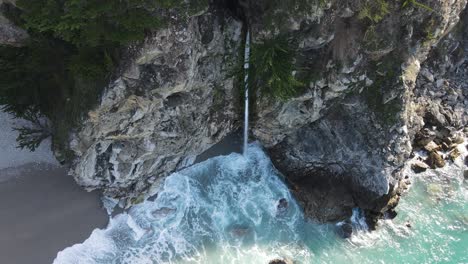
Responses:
[280,261]
[344,229]
[432,146]
[454,154]
[419,166]
[435,160]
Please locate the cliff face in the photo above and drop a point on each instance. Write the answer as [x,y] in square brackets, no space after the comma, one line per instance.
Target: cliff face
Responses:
[341,142]
[9,33]
[349,134]
[175,99]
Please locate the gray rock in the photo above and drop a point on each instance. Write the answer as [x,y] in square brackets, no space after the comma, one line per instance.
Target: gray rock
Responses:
[431,146]
[175,100]
[11,34]
[419,166]
[435,160]
[439,83]
[281,261]
[427,74]
[340,142]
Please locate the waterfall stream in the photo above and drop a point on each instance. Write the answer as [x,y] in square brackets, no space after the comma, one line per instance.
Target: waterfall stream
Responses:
[246,83]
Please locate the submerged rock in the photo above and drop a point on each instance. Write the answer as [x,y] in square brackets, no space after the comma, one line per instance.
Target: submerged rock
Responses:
[434,190]
[239,231]
[282,206]
[163,212]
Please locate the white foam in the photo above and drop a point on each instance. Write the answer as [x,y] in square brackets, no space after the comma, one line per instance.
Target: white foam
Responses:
[10,155]
[228,200]
[224,210]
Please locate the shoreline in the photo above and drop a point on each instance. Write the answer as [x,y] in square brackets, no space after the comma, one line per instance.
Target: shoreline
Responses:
[43,211]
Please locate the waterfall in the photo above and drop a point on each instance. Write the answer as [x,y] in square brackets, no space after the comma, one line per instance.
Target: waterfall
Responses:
[246,83]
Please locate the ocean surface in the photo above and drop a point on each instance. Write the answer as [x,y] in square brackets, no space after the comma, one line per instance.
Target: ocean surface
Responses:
[225,210]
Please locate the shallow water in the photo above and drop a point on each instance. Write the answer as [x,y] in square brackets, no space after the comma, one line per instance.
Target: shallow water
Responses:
[225,210]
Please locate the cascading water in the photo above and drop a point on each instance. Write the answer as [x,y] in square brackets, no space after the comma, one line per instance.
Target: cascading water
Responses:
[235,209]
[246,87]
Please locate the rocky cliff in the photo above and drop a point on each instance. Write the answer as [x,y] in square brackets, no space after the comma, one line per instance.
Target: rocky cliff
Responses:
[341,141]
[10,34]
[344,141]
[174,100]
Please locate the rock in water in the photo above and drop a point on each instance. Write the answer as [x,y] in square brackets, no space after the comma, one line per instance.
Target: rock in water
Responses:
[344,229]
[431,146]
[163,212]
[281,261]
[435,160]
[282,206]
[454,154]
[419,166]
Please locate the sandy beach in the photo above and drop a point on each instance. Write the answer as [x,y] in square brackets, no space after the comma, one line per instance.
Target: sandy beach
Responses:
[43,211]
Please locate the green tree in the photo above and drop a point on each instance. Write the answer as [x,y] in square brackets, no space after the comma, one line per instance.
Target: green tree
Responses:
[75,46]
[273,67]
[94,22]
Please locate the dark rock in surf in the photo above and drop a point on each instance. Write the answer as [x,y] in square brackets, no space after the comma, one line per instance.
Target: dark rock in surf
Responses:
[281,261]
[435,160]
[419,166]
[344,229]
[282,206]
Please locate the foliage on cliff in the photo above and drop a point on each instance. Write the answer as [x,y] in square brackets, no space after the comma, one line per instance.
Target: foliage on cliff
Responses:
[273,69]
[93,23]
[75,45]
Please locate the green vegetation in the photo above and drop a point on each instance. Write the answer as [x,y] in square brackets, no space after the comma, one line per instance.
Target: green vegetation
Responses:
[416,4]
[375,11]
[93,23]
[30,137]
[272,64]
[75,46]
[279,13]
[386,76]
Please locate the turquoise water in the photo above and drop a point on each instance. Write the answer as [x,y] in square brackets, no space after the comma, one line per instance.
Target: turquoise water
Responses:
[225,210]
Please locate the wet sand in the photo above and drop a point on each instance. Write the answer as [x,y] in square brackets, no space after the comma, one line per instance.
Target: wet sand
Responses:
[43,211]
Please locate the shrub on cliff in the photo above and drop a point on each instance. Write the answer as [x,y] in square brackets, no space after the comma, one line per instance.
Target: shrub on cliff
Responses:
[273,69]
[93,22]
[74,47]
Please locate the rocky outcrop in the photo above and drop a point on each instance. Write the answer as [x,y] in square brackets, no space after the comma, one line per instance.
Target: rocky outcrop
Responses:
[441,101]
[342,142]
[175,99]
[9,33]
